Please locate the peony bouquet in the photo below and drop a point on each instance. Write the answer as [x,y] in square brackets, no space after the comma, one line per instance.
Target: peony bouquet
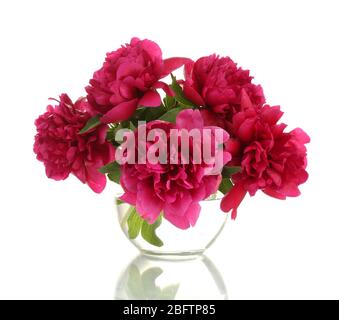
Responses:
[171,144]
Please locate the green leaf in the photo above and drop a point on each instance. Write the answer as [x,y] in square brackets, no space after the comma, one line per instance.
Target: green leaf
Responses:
[131,126]
[112,131]
[119,202]
[154,113]
[91,123]
[110,168]
[113,171]
[110,134]
[169,102]
[148,114]
[151,114]
[125,124]
[171,115]
[179,95]
[226,185]
[148,232]
[227,172]
[134,223]
[139,113]
[114,177]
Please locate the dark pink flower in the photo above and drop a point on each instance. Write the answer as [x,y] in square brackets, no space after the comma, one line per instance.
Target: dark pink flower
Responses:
[129,79]
[272,160]
[216,84]
[174,189]
[63,151]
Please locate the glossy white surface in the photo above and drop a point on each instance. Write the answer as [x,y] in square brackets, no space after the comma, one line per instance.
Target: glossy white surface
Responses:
[61,241]
[154,278]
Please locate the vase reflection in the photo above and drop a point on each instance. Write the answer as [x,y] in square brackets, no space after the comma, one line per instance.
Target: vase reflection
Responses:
[152,278]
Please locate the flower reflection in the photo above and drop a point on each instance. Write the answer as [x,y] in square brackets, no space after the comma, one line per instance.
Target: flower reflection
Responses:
[153,278]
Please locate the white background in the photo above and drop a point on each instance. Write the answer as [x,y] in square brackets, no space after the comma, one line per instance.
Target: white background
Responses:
[61,241]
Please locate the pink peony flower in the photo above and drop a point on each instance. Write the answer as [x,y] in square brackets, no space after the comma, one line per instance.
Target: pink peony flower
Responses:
[216,83]
[272,160]
[63,151]
[129,79]
[174,189]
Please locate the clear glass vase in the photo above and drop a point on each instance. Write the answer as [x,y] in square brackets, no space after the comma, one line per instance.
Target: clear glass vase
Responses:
[175,241]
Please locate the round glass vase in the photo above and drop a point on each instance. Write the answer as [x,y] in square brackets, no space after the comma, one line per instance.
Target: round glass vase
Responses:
[174,241]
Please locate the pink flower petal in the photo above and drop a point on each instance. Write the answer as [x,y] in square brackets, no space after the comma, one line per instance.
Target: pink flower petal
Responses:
[128,181]
[172,64]
[164,86]
[271,114]
[148,205]
[121,112]
[232,200]
[184,219]
[127,69]
[71,153]
[178,207]
[245,100]
[274,176]
[210,119]
[150,99]
[57,176]
[272,193]
[95,179]
[129,197]
[193,96]
[80,173]
[245,131]
[102,133]
[199,194]
[179,222]
[233,147]
[211,184]
[188,69]
[150,47]
[193,213]
[189,119]
[290,190]
[301,135]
